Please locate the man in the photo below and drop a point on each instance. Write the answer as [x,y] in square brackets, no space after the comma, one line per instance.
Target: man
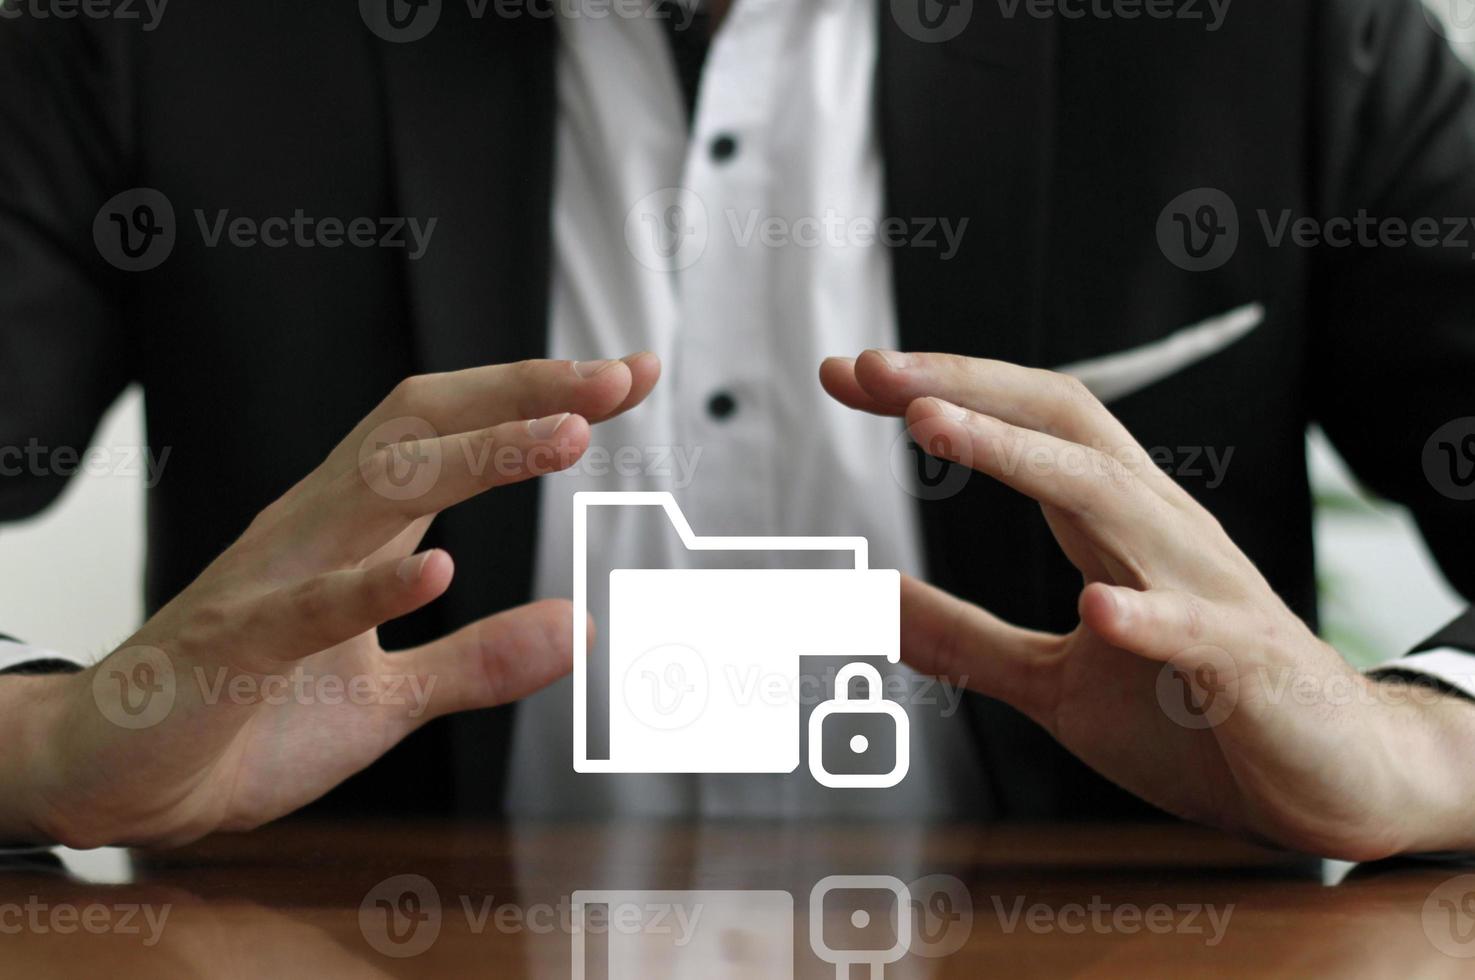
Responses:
[1056,187]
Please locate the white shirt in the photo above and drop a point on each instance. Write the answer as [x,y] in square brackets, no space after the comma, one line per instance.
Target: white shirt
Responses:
[793,84]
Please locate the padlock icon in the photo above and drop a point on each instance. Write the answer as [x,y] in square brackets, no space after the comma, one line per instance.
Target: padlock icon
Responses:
[872,704]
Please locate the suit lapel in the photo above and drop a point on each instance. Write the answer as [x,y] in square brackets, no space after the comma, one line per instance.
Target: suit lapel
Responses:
[967,128]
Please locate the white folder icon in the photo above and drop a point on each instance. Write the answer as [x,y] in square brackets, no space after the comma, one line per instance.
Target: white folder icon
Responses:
[704,663]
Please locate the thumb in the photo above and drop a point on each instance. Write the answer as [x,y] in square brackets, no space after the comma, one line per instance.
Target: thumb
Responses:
[1159,624]
[943,635]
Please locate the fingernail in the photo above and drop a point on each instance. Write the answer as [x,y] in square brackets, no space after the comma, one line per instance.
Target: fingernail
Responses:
[632,358]
[545,427]
[950,410]
[410,569]
[1120,611]
[895,360]
[588,369]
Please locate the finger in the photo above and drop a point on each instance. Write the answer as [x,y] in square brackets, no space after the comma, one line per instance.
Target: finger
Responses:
[1030,398]
[315,614]
[1077,546]
[1105,500]
[1027,397]
[645,371]
[405,543]
[480,397]
[1158,624]
[497,660]
[837,377]
[943,635]
[400,483]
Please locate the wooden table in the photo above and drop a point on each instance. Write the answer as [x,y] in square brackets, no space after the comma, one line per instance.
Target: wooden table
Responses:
[696,900]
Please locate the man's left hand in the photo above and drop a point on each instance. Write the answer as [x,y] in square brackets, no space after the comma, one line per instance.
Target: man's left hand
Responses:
[1188,681]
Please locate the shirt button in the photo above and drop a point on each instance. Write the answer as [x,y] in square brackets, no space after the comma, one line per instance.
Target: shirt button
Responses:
[724,147]
[721,405]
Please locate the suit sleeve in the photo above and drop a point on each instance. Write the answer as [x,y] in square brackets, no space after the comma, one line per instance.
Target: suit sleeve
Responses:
[64,151]
[1393,326]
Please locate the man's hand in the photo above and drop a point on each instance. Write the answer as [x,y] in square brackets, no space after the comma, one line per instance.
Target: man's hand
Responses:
[262,685]
[1188,682]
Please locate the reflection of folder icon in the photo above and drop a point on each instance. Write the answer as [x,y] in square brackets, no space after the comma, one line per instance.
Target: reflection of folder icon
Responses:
[704,663]
[652,935]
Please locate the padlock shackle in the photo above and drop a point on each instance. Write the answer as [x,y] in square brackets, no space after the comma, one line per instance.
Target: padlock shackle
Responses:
[849,673]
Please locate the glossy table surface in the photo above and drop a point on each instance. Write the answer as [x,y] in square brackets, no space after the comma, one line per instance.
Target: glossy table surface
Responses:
[735,900]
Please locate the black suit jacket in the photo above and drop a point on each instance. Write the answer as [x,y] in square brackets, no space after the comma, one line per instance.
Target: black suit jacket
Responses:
[1060,140]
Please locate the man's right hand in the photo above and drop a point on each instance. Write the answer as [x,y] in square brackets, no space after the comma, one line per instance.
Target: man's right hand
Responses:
[262,685]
